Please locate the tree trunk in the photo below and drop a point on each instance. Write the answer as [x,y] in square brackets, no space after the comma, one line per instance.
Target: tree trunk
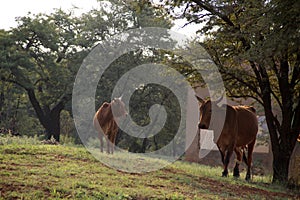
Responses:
[281,162]
[144,145]
[53,126]
[55,119]
[50,119]
[155,143]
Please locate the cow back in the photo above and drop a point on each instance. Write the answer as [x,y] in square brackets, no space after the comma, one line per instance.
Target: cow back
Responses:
[103,117]
[247,124]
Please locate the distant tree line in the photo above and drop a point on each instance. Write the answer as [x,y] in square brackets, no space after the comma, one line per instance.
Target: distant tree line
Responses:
[40,58]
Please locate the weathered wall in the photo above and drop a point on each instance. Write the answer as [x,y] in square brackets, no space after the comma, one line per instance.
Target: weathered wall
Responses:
[294,170]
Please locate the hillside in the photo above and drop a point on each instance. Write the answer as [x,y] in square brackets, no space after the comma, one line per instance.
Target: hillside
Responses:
[36,171]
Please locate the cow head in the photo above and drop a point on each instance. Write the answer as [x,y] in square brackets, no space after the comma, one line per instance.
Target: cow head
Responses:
[205,110]
[118,107]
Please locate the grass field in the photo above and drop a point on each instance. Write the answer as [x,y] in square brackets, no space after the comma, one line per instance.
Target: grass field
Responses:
[30,170]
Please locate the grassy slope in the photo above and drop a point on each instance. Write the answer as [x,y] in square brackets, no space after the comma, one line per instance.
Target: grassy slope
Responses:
[50,172]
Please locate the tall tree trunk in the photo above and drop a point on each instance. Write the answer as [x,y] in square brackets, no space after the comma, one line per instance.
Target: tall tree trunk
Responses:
[55,120]
[53,125]
[283,141]
[281,151]
[1,104]
[50,119]
[281,162]
[155,143]
[144,145]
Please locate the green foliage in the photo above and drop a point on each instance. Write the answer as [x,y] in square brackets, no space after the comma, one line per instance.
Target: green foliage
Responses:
[42,54]
[68,132]
[14,140]
[41,57]
[144,96]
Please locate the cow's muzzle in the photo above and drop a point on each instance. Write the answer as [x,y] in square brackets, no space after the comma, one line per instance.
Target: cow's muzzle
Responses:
[202,126]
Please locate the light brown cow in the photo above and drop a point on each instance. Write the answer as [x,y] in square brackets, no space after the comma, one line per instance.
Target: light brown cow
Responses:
[238,133]
[105,122]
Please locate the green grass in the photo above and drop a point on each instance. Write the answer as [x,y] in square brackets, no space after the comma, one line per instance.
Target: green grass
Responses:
[29,170]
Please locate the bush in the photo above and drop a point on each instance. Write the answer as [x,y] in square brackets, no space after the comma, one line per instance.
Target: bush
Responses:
[9,139]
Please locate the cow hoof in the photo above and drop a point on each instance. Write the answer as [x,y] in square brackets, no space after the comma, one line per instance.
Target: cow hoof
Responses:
[236,173]
[224,174]
[247,177]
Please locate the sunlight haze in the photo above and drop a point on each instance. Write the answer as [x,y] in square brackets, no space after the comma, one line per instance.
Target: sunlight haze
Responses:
[18,8]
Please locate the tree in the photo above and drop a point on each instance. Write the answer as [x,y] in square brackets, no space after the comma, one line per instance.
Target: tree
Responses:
[41,56]
[255,44]
[137,14]
[143,97]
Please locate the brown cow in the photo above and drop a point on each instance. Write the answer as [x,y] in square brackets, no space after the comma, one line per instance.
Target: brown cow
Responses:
[105,122]
[238,133]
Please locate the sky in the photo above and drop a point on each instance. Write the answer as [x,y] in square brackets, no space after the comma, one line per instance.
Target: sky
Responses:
[16,8]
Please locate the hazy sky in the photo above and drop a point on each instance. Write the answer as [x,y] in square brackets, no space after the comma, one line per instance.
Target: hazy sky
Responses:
[10,9]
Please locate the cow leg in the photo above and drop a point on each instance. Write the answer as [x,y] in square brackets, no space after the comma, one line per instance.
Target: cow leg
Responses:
[100,136]
[107,143]
[226,161]
[112,139]
[250,151]
[115,137]
[222,154]
[236,171]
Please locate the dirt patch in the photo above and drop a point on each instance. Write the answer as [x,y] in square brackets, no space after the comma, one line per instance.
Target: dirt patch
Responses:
[234,190]
[8,188]
[242,191]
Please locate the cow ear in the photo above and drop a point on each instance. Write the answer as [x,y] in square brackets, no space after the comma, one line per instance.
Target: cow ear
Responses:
[199,99]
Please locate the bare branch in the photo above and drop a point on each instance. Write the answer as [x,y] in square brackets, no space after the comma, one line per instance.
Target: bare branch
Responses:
[245,96]
[296,72]
[242,81]
[14,82]
[211,9]
[276,97]
[185,9]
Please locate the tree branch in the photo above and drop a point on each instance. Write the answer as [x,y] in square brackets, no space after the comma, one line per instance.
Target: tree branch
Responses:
[14,82]
[296,117]
[241,80]
[245,96]
[296,72]
[62,102]
[37,107]
[211,9]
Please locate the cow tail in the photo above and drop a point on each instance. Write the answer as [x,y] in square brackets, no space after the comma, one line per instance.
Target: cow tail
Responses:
[245,158]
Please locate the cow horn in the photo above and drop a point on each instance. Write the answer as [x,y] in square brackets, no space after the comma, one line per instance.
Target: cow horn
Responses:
[199,99]
[121,97]
[219,100]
